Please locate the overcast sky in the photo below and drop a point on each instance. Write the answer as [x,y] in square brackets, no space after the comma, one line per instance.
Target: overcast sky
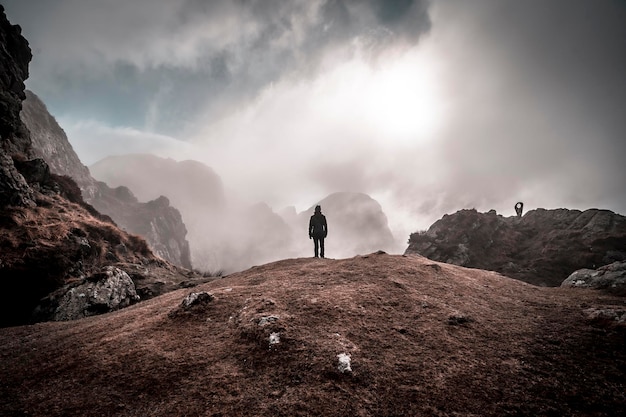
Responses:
[429,107]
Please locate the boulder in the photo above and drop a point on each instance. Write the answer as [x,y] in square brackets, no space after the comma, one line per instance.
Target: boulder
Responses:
[194,303]
[611,278]
[102,292]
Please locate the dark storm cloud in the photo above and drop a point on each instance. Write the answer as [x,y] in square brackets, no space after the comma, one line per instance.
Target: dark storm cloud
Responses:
[192,54]
[293,100]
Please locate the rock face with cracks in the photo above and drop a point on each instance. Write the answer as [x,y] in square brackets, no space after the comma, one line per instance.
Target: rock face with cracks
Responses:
[424,339]
[543,247]
[108,290]
[156,221]
[611,278]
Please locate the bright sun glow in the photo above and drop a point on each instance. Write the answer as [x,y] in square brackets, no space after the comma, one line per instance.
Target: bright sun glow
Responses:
[399,100]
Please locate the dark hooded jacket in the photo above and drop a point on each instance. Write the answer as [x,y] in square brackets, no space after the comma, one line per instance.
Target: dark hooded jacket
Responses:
[317,226]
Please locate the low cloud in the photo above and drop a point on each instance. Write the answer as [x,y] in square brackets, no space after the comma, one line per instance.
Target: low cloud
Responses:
[429,107]
[91,140]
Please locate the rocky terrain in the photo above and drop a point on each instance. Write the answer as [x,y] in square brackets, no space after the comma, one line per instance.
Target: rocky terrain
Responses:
[375,335]
[543,247]
[156,221]
[52,243]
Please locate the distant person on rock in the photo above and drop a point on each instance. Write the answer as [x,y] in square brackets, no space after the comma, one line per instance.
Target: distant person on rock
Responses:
[519,207]
[318,230]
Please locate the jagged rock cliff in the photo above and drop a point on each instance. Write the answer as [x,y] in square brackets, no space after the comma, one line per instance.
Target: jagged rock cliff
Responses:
[15,145]
[156,221]
[159,223]
[225,234]
[50,143]
[543,247]
[50,239]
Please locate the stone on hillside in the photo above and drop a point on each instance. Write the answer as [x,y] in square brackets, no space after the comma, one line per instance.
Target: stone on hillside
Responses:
[610,277]
[607,316]
[196,298]
[344,363]
[102,292]
[194,302]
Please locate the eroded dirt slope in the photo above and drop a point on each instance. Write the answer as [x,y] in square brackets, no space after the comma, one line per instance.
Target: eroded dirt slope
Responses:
[424,338]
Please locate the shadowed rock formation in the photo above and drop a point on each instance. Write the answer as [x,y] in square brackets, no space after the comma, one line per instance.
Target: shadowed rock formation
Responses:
[156,221]
[543,247]
[50,239]
[611,278]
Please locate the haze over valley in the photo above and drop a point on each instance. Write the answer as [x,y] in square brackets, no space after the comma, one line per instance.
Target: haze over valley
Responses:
[426,106]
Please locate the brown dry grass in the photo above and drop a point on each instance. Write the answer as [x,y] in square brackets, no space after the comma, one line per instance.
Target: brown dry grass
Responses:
[50,223]
[58,241]
[425,339]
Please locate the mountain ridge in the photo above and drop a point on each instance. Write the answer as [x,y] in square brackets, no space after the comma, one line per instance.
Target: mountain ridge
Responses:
[227,234]
[160,224]
[542,247]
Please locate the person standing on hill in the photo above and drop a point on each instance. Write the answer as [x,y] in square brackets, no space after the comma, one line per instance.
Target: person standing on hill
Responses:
[318,230]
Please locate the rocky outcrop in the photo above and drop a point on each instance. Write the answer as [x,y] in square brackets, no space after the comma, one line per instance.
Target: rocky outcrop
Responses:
[156,221]
[14,143]
[50,143]
[108,290]
[543,247]
[194,189]
[15,55]
[611,278]
[49,236]
[14,190]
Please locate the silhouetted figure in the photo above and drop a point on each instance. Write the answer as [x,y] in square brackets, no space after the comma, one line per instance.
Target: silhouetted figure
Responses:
[519,207]
[318,230]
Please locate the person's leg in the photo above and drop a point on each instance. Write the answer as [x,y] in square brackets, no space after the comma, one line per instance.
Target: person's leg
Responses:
[316,243]
[322,247]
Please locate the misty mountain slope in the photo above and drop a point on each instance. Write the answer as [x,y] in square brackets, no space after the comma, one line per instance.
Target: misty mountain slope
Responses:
[224,234]
[159,223]
[188,184]
[423,338]
[543,247]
